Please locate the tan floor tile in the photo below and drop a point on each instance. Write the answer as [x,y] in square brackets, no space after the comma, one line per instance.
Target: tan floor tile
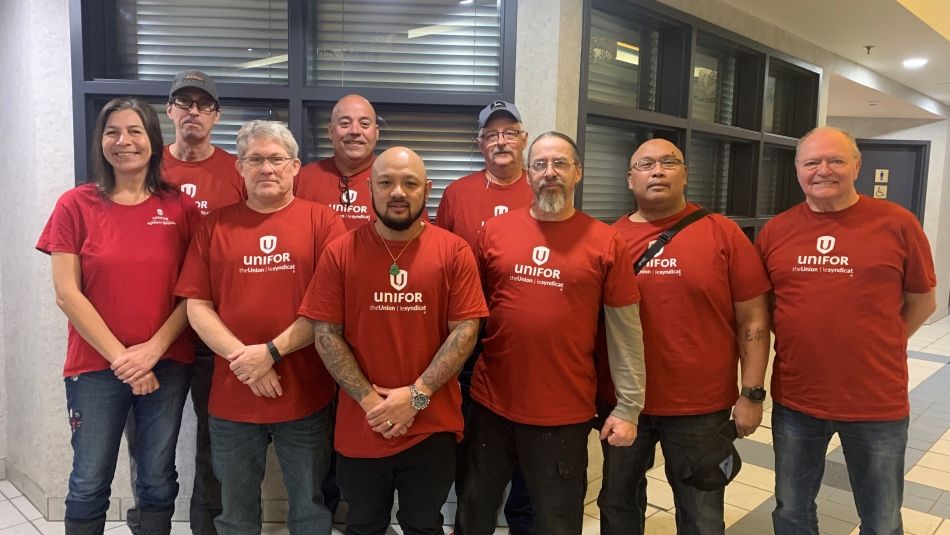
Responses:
[591,509]
[924,476]
[762,434]
[946,435]
[659,493]
[745,496]
[756,476]
[936,461]
[767,419]
[651,511]
[733,514]
[944,528]
[855,531]
[658,472]
[661,523]
[917,523]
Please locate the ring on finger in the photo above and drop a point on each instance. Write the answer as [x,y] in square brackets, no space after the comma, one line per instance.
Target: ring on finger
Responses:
[390,423]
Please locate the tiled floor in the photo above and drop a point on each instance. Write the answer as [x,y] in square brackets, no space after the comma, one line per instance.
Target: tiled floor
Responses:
[749,499]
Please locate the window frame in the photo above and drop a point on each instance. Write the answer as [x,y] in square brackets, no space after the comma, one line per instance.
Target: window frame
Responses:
[296,95]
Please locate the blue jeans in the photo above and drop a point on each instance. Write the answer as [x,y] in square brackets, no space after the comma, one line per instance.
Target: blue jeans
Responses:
[98,404]
[873,451]
[239,453]
[623,495]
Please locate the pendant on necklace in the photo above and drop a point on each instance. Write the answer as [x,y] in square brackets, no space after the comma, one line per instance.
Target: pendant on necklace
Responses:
[394,269]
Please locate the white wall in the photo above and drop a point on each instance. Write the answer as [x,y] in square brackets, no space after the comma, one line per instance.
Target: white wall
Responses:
[937,204]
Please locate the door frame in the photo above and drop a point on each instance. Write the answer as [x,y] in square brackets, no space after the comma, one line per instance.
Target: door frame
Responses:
[921,172]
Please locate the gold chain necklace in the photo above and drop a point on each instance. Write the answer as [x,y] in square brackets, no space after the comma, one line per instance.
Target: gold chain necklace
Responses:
[394,269]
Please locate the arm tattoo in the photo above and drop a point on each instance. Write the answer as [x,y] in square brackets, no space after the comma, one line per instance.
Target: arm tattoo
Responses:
[451,355]
[339,360]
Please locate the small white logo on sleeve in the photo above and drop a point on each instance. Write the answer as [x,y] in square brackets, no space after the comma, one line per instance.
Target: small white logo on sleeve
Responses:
[399,280]
[268,244]
[540,255]
[348,197]
[825,244]
[501,209]
[189,189]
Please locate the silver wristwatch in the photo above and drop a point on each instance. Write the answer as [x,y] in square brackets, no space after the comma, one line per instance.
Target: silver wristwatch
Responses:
[418,400]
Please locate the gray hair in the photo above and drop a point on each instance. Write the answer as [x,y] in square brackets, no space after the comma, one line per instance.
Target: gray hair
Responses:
[259,129]
[847,135]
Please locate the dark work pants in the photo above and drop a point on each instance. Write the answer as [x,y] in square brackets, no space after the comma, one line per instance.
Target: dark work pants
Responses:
[422,475]
[552,458]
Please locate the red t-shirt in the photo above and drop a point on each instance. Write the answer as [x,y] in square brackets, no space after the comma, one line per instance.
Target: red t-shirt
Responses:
[839,278]
[546,283]
[687,313]
[320,182]
[255,268]
[213,182]
[395,324]
[471,200]
[129,257]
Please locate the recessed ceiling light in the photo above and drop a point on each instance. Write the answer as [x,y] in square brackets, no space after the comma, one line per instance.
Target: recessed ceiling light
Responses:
[914,63]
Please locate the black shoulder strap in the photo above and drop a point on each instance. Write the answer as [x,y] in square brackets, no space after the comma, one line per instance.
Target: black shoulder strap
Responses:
[666,236]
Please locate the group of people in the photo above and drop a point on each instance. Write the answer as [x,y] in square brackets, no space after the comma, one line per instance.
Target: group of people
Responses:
[329,316]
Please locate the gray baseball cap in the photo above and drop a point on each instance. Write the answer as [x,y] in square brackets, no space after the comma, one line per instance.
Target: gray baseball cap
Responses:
[498,106]
[195,79]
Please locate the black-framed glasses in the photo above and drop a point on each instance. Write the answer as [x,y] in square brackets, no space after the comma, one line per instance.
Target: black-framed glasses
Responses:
[274,161]
[648,164]
[511,134]
[205,105]
[560,165]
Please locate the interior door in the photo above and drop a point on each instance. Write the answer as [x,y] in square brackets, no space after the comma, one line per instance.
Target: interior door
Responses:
[895,170]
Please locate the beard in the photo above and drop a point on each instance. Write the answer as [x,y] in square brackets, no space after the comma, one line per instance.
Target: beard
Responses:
[552,201]
[399,223]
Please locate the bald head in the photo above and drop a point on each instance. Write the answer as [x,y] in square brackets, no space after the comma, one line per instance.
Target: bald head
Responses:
[353,132]
[656,149]
[399,187]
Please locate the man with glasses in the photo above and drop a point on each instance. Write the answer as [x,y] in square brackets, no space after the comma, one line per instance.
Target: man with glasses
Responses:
[710,278]
[853,278]
[470,201]
[207,174]
[342,180]
[548,272]
[244,277]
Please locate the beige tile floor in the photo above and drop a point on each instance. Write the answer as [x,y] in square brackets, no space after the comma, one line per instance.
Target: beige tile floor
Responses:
[749,498]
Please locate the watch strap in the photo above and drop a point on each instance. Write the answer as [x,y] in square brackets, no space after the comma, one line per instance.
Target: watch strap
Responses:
[274,353]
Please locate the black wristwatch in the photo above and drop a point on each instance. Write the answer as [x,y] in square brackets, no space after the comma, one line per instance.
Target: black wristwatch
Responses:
[418,399]
[756,393]
[274,354]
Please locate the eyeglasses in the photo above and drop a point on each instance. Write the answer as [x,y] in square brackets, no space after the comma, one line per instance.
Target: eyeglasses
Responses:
[648,164]
[559,165]
[834,163]
[274,161]
[204,105]
[510,135]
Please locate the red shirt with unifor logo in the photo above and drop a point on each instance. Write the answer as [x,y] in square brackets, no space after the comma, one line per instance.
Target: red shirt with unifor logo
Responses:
[546,283]
[320,182]
[471,200]
[213,183]
[255,268]
[839,279]
[129,257]
[395,324]
[687,310]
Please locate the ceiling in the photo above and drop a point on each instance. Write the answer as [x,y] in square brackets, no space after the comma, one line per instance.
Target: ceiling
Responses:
[897,29]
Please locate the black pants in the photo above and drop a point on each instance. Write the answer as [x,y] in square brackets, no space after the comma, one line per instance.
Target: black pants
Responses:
[422,475]
[518,511]
[206,492]
[552,458]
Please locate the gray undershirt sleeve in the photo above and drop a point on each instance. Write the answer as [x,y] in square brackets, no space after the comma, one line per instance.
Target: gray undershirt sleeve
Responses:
[625,355]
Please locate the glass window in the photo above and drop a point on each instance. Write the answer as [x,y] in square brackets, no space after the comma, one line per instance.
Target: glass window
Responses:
[778,186]
[231,40]
[434,45]
[444,140]
[623,62]
[726,83]
[709,163]
[791,99]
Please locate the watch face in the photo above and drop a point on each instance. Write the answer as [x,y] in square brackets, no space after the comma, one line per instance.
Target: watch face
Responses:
[420,401]
[755,393]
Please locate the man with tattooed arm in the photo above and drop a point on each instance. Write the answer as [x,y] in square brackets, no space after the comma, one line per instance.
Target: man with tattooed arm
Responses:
[397,305]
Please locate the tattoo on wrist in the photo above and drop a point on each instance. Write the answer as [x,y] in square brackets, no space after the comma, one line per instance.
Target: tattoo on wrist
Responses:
[451,355]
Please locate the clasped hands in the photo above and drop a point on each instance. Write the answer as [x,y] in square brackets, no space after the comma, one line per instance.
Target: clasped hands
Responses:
[389,411]
[254,366]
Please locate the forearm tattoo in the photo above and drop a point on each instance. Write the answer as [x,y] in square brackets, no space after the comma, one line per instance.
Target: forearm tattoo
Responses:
[451,355]
[339,360]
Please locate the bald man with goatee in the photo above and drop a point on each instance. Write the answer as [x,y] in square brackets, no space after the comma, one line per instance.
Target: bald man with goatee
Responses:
[397,310]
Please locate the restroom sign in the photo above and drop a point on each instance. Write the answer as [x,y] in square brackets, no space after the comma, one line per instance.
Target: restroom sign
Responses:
[880,177]
[880,192]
